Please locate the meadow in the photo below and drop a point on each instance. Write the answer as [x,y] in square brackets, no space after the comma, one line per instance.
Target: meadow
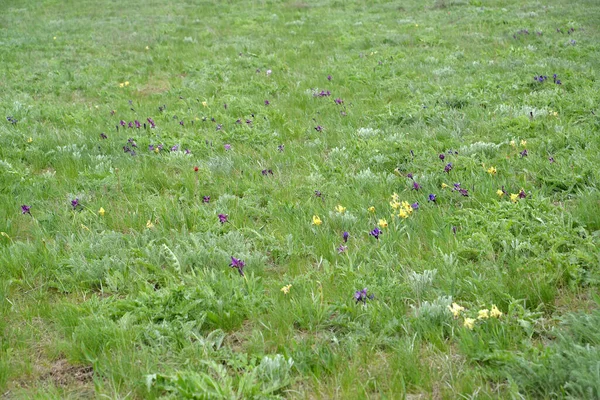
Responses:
[260,199]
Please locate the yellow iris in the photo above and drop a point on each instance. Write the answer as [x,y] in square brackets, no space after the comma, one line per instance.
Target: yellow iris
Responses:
[491,170]
[382,223]
[101,212]
[316,220]
[514,197]
[340,209]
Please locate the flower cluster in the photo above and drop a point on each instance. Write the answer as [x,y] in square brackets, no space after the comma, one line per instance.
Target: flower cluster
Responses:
[457,311]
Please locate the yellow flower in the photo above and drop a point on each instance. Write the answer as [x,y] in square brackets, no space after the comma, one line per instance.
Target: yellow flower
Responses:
[397,171]
[382,223]
[483,314]
[149,224]
[500,193]
[495,313]
[469,323]
[514,197]
[523,143]
[286,289]
[512,143]
[407,207]
[126,83]
[147,48]
[205,104]
[340,209]
[444,186]
[316,220]
[554,113]
[121,84]
[101,212]
[29,140]
[156,150]
[491,170]
[371,209]
[395,204]
[395,197]
[54,38]
[403,214]
[455,309]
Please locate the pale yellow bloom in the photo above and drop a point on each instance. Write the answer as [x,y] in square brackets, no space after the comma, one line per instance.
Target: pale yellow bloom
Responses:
[495,313]
[340,209]
[514,197]
[500,193]
[523,143]
[54,37]
[469,323]
[126,83]
[121,84]
[149,224]
[395,197]
[156,150]
[286,289]
[403,213]
[397,171]
[205,104]
[395,204]
[512,143]
[371,209]
[407,207]
[444,186]
[455,309]
[483,314]
[491,170]
[316,220]
[147,48]
[101,212]
[29,140]
[382,223]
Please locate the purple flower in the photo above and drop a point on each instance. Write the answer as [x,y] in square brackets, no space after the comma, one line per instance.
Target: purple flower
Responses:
[454,230]
[239,121]
[181,122]
[558,82]
[318,193]
[137,124]
[75,203]
[375,233]
[206,199]
[524,153]
[103,136]
[318,128]
[25,209]
[248,122]
[151,122]
[227,147]
[448,168]
[239,264]
[522,194]
[130,125]
[339,101]
[280,148]
[416,186]
[132,142]
[160,147]
[223,218]
[123,123]
[551,159]
[219,127]
[361,295]
[432,197]
[267,102]
[225,106]
[342,248]
[409,175]
[415,206]
[175,147]
[345,236]
[442,156]
[464,192]
[264,172]
[329,77]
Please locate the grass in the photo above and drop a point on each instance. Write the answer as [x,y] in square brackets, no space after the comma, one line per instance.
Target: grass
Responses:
[129,293]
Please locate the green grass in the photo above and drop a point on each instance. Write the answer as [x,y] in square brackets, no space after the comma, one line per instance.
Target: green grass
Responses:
[140,301]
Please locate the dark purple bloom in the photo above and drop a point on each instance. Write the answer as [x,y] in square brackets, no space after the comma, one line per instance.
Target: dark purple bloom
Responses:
[361,295]
[442,156]
[432,197]
[267,102]
[175,147]
[103,136]
[375,233]
[132,142]
[464,192]
[123,123]
[318,128]
[318,193]
[280,147]
[551,159]
[75,203]
[524,153]
[206,199]
[126,149]
[329,77]
[239,121]
[345,236]
[223,218]
[558,82]
[264,172]
[248,122]
[187,151]
[225,106]
[181,122]
[416,186]
[151,122]
[454,230]
[239,264]
[448,168]
[130,125]
[160,147]
[415,205]
[339,101]
[25,209]
[522,194]
[409,175]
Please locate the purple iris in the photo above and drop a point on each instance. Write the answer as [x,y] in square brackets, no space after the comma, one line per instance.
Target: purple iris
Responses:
[280,148]
[267,102]
[175,147]
[454,230]
[223,218]
[416,186]
[463,192]
[551,159]
[409,175]
[448,168]
[415,205]
[248,122]
[25,209]
[329,77]
[522,194]
[151,122]
[123,123]
[130,125]
[338,101]
[75,203]
[227,147]
[103,136]
[342,248]
[442,156]
[239,264]
[361,295]
[318,193]
[219,127]
[345,236]
[206,199]
[318,128]
[432,197]
[238,121]
[524,153]
[132,142]
[375,233]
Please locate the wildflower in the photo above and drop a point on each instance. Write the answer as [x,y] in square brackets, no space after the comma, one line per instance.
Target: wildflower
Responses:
[149,224]
[454,230]
[444,186]
[196,169]
[329,77]
[495,313]
[206,199]
[409,175]
[375,233]
[342,249]
[30,140]
[25,209]
[361,295]
[340,209]
[416,186]
[286,289]
[512,143]
[522,194]
[122,123]
[175,148]
[403,214]
[223,218]
[318,193]
[338,101]
[101,212]
[75,203]
[318,128]
[448,168]
[219,127]
[523,143]
[126,83]
[415,205]
[316,220]
[432,197]
[151,122]
[442,156]
[371,209]
[227,147]
[239,264]
[147,47]
[483,314]
[280,148]
[267,102]
[382,223]
[514,197]
[500,192]
[491,170]
[269,72]
[551,159]
[345,236]
[121,85]
[204,104]
[455,309]
[469,323]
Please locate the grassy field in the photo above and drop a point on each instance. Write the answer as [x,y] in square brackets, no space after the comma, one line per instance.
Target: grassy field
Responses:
[277,199]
